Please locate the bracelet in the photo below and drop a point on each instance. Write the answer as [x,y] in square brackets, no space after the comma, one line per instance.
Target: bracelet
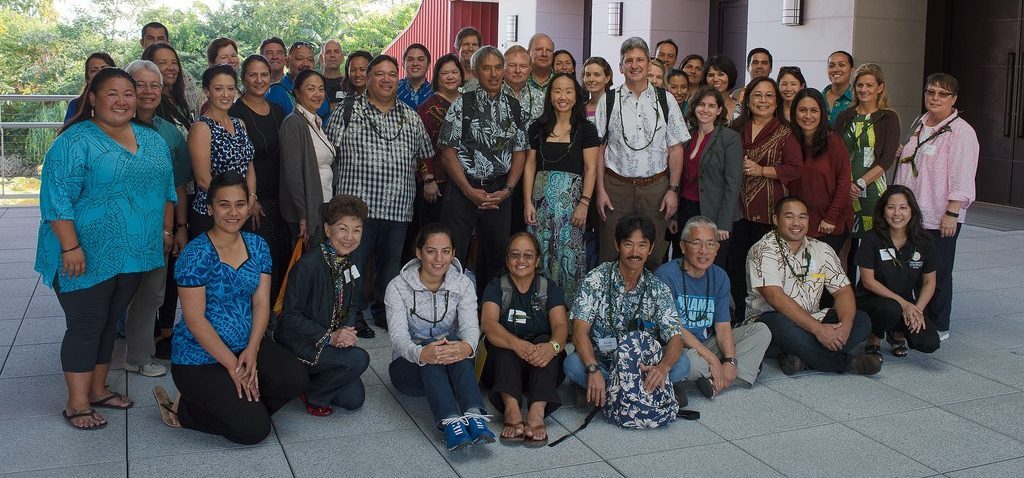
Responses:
[77,246]
[254,196]
[953,214]
[168,233]
[428,181]
[585,197]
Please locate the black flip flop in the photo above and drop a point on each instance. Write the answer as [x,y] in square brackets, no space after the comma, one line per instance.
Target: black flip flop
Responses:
[88,413]
[102,403]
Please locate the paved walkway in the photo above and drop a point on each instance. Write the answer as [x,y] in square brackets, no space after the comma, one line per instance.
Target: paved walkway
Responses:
[956,412]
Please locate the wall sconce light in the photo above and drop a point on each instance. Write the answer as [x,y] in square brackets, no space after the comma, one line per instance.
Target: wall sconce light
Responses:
[512,28]
[615,19]
[792,13]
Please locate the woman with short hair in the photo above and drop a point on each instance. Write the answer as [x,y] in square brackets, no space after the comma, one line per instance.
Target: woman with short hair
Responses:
[222,51]
[720,73]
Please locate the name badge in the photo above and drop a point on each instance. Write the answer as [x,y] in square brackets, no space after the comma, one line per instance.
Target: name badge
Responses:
[355,272]
[607,344]
[339,94]
[887,254]
[517,316]
[869,156]
[928,149]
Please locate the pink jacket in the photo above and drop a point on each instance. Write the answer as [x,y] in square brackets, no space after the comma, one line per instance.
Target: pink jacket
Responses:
[946,168]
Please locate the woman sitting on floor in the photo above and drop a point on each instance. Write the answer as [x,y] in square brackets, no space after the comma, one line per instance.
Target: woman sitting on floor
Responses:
[223,280]
[317,323]
[525,321]
[432,321]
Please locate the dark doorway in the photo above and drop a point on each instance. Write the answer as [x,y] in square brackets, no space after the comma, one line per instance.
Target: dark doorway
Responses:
[990,69]
[588,27]
[727,31]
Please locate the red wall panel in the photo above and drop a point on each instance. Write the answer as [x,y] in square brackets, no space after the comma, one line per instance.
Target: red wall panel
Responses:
[437,21]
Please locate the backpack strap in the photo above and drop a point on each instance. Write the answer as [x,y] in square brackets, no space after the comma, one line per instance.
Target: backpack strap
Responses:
[586,421]
[609,104]
[506,295]
[517,112]
[663,101]
[347,105]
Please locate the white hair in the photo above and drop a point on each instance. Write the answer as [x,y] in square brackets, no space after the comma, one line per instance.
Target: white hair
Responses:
[140,65]
[695,222]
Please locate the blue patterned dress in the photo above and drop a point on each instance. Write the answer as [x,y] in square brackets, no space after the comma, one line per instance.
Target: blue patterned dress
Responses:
[228,152]
[557,189]
[115,199]
[228,295]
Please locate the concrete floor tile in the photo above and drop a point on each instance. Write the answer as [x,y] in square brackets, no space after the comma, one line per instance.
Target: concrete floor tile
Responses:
[1004,331]
[1001,414]
[29,360]
[758,411]
[43,395]
[939,383]
[982,358]
[498,459]
[845,397]
[590,470]
[21,270]
[380,413]
[982,304]
[25,256]
[49,442]
[1002,468]
[939,439]
[17,287]
[44,306]
[148,437]
[721,459]
[607,439]
[46,330]
[259,461]
[4,351]
[400,453]
[14,308]
[8,331]
[830,450]
[24,223]
[99,470]
[23,211]
[140,388]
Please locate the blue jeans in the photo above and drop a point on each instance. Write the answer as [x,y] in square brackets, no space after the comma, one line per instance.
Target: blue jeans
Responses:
[577,372]
[451,390]
[788,337]
[382,240]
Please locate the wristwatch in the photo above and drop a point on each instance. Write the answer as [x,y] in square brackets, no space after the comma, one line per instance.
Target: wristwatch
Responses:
[673,188]
[592,369]
[731,360]
[861,184]
[554,345]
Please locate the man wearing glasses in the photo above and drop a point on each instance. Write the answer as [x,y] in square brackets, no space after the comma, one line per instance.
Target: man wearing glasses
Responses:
[718,354]
[301,57]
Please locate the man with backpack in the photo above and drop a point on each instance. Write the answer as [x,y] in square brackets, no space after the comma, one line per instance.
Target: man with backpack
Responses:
[643,152]
[484,144]
[626,331]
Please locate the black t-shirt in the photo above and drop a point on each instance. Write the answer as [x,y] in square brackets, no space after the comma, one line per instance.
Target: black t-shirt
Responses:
[559,156]
[262,131]
[898,270]
[331,88]
[526,317]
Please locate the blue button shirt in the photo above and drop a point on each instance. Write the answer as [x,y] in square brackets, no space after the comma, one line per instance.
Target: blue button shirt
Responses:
[280,94]
[414,98]
[115,199]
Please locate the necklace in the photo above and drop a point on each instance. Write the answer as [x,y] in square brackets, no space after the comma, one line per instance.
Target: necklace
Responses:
[376,128]
[639,304]
[807,259]
[253,126]
[568,149]
[622,124]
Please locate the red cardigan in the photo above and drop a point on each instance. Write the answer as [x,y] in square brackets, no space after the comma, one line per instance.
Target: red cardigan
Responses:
[824,185]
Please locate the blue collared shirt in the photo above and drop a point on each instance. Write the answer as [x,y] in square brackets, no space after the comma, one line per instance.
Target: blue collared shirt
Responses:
[280,94]
[414,98]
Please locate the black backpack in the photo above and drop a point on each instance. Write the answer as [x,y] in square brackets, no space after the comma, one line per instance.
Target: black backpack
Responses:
[609,103]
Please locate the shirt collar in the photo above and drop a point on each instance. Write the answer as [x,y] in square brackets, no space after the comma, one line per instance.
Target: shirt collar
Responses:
[311,117]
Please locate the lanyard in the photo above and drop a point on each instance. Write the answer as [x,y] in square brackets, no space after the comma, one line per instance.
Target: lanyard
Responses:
[807,258]
[686,300]
[622,123]
[639,305]
[917,134]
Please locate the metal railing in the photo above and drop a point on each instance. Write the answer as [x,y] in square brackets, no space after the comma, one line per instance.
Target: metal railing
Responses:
[21,155]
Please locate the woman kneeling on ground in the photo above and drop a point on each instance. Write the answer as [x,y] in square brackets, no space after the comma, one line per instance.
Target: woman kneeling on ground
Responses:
[231,378]
[897,276]
[525,321]
[432,321]
[317,322]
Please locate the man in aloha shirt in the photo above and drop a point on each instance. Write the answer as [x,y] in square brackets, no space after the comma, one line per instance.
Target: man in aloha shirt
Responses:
[612,296]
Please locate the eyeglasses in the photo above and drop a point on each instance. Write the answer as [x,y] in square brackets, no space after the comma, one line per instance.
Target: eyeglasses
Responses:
[929,93]
[711,245]
[528,257]
[148,86]
[762,96]
[303,43]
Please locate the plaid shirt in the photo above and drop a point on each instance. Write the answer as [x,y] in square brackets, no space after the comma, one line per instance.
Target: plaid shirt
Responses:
[494,134]
[377,156]
[413,98]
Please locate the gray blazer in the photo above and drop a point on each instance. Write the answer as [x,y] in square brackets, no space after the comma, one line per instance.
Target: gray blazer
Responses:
[301,194]
[719,176]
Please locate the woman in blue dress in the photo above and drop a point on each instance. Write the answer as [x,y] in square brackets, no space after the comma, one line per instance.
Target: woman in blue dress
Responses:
[106,203]
[231,377]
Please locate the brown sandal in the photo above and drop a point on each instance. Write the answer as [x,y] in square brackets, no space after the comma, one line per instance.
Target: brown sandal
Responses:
[518,428]
[91,413]
[167,413]
[536,442]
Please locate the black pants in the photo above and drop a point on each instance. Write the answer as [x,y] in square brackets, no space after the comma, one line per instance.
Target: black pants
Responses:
[275,231]
[941,305]
[790,338]
[168,311]
[210,403]
[423,213]
[335,379]
[507,373]
[91,316]
[887,316]
[492,229]
[744,235]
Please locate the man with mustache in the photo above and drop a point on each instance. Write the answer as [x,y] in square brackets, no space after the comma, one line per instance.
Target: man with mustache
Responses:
[612,299]
[379,145]
[718,354]
[787,273]
[414,89]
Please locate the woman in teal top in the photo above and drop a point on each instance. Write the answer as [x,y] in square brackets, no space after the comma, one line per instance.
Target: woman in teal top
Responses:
[106,202]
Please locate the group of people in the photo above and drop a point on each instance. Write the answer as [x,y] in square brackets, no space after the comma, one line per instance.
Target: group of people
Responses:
[670,229]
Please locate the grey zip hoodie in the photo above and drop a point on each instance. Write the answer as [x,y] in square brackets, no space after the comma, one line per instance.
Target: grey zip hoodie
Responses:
[453,307]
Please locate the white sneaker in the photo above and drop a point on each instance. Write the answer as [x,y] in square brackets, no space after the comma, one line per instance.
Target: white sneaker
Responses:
[147,370]
[943,335]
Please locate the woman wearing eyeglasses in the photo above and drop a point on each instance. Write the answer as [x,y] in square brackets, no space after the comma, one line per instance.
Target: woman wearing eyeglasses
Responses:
[434,330]
[938,161]
[524,318]
[897,269]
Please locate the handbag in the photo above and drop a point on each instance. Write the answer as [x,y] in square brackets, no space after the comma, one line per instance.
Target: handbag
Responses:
[300,248]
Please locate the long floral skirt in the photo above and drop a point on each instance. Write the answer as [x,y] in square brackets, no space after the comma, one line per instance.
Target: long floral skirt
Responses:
[563,258]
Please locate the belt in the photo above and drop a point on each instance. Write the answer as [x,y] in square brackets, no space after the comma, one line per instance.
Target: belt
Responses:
[636,181]
[501,181]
